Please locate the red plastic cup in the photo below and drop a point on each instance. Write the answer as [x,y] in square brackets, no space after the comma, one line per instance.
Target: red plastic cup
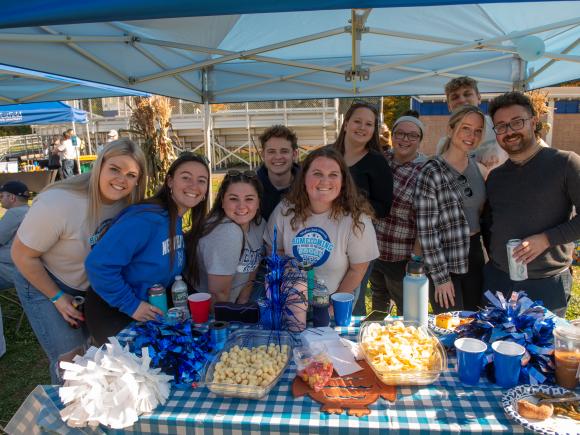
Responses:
[199,304]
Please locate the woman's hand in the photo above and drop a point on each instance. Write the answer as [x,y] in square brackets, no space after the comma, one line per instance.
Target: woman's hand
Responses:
[445,295]
[69,313]
[146,312]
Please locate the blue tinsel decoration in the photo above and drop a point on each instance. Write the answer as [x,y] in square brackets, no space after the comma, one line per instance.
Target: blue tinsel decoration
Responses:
[177,349]
[283,295]
[522,321]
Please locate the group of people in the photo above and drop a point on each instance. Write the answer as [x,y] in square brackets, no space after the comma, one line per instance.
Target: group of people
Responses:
[350,210]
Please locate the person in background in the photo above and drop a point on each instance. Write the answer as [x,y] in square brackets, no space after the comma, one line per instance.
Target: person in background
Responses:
[325,222]
[463,91]
[14,196]
[112,136]
[231,248]
[531,197]
[279,154]
[449,199]
[359,144]
[385,138]
[397,233]
[55,157]
[68,153]
[144,246]
[53,240]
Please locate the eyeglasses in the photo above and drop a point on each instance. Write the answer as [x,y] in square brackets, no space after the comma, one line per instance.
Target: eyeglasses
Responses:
[462,179]
[514,124]
[236,173]
[411,137]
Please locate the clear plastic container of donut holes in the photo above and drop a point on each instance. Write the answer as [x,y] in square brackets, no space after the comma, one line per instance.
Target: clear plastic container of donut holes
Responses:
[250,364]
[402,352]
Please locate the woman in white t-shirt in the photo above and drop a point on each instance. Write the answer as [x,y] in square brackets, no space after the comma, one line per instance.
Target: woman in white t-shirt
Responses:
[230,248]
[325,223]
[53,240]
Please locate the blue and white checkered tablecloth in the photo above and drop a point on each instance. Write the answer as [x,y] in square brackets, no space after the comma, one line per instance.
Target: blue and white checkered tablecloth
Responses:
[443,407]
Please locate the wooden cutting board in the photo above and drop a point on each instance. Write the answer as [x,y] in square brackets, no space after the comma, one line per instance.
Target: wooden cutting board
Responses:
[353,392]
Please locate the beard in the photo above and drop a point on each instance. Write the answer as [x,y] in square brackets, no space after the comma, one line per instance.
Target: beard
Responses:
[512,146]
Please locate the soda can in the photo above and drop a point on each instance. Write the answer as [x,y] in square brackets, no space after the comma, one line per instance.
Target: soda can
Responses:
[79,303]
[518,269]
[175,316]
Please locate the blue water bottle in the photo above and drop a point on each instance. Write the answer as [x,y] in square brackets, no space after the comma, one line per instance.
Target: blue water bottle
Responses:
[416,292]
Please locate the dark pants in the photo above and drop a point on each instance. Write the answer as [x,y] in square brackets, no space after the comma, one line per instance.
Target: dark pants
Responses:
[67,168]
[103,321]
[360,308]
[553,291]
[468,286]
[387,284]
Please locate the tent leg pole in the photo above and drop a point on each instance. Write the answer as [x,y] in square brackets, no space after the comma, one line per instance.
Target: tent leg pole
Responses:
[207,144]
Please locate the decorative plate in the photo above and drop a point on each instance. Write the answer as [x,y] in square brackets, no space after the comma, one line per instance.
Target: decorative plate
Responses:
[555,425]
[443,331]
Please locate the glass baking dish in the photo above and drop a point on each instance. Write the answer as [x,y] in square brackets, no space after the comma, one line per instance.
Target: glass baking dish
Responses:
[406,377]
[249,338]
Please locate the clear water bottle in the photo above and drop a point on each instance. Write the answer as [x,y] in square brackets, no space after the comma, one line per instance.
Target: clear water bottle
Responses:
[179,295]
[416,293]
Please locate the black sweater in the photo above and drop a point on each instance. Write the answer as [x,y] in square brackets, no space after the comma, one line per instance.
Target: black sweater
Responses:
[374,178]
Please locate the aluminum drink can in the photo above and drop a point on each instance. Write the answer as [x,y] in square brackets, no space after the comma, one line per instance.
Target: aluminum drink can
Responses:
[79,303]
[518,270]
[175,316]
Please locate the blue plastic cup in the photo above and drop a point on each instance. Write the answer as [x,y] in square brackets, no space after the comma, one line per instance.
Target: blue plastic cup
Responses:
[507,361]
[342,305]
[470,359]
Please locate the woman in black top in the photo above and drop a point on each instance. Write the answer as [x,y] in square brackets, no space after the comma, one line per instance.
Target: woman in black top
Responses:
[359,144]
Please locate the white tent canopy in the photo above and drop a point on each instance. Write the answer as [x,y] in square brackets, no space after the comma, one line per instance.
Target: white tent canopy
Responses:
[311,54]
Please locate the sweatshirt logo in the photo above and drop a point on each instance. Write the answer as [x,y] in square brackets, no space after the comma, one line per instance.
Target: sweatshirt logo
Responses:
[177,244]
[312,246]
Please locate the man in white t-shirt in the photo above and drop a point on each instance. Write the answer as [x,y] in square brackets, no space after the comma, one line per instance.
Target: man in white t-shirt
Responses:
[69,153]
[462,91]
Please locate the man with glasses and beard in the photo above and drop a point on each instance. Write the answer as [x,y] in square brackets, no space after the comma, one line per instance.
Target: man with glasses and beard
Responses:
[531,197]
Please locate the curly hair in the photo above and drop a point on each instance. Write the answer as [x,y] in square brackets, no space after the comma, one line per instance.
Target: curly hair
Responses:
[515,98]
[374,143]
[279,131]
[349,201]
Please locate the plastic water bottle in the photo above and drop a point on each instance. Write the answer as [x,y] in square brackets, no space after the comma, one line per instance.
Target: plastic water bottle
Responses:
[179,295]
[416,293]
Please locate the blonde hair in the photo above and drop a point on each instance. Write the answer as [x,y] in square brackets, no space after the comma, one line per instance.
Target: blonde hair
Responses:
[456,117]
[88,184]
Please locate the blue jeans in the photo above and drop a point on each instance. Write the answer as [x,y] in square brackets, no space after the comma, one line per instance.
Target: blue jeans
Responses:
[7,276]
[553,291]
[54,334]
[67,168]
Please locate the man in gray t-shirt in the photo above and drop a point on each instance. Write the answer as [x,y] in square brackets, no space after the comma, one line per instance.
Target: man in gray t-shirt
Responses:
[14,198]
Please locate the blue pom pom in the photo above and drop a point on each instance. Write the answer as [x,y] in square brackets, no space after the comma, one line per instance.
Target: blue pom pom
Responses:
[176,349]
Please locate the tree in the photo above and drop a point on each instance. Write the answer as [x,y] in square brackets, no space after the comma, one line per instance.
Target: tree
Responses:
[393,108]
[151,120]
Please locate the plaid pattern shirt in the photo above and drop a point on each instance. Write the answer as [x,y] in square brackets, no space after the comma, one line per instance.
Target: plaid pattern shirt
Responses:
[441,224]
[396,232]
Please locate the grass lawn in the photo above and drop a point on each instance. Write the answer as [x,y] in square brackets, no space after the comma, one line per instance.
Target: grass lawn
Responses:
[24,365]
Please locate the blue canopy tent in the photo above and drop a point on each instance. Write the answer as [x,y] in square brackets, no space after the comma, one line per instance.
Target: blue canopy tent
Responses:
[54,112]
[18,85]
[225,51]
